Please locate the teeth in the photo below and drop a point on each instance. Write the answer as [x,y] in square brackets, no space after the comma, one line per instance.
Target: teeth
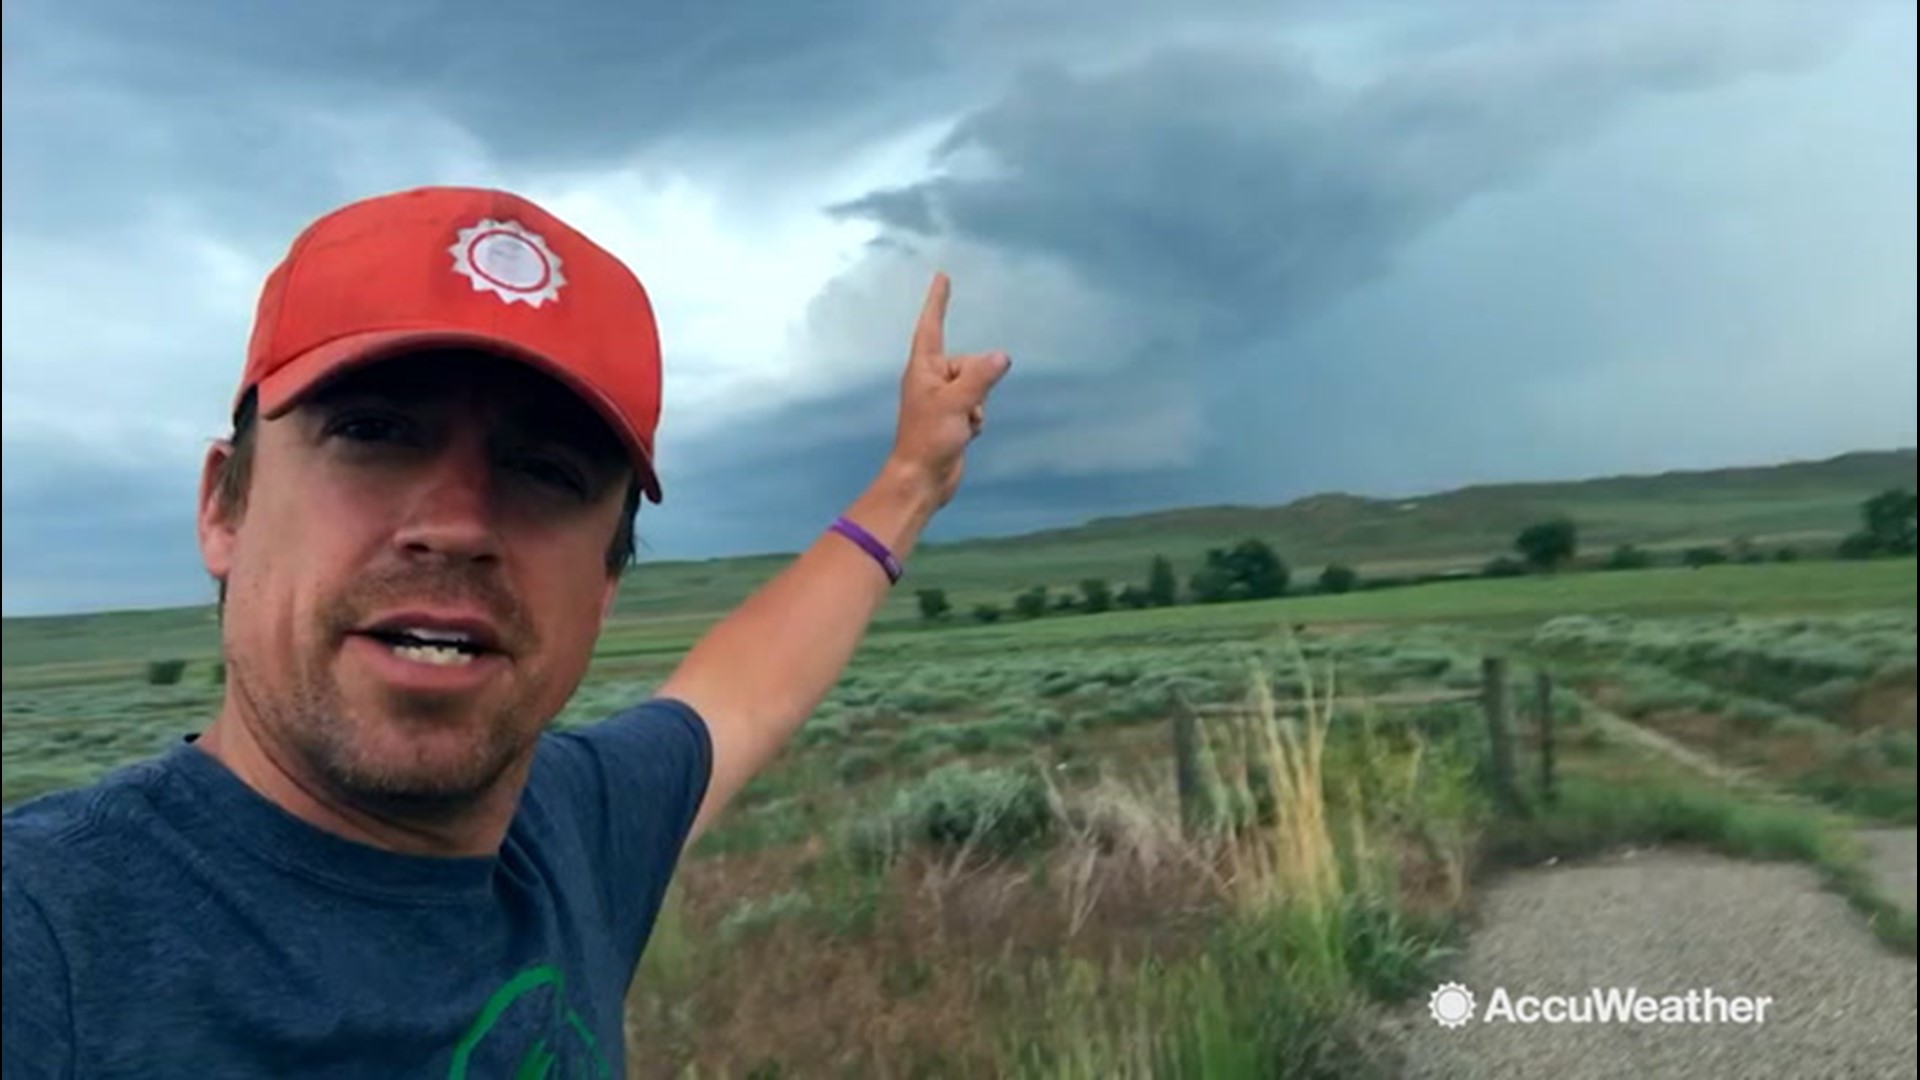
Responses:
[424,634]
[441,655]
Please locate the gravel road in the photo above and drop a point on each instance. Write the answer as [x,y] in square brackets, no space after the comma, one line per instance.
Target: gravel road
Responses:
[1668,923]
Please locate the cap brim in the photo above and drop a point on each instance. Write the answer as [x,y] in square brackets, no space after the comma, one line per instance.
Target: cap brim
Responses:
[280,391]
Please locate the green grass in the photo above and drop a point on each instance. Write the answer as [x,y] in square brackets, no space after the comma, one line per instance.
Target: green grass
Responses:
[1593,815]
[1891,801]
[1004,687]
[1230,1013]
[1811,704]
[119,637]
[1769,588]
[1786,658]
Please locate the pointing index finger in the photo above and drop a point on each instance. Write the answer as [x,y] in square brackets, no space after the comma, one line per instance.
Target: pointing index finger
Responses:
[929,337]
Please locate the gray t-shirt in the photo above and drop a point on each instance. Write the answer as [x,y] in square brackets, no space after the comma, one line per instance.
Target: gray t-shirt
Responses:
[169,921]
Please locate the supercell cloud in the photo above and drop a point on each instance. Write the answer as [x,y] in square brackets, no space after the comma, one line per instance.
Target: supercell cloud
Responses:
[1239,251]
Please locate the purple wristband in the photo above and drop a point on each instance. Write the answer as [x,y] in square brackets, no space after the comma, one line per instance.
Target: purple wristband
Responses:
[872,546]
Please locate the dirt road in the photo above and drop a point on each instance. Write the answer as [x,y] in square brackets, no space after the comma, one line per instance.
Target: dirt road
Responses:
[1667,923]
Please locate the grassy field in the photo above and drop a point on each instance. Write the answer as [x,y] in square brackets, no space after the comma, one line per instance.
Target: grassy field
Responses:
[69,719]
[1821,707]
[998,849]
[976,859]
[115,649]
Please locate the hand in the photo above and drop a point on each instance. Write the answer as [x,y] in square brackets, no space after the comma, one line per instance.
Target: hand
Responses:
[943,400]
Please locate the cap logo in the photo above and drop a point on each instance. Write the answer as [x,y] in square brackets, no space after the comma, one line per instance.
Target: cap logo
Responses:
[509,260]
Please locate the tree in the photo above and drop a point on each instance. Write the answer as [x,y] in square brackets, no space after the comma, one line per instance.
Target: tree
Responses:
[1257,571]
[1858,545]
[1697,557]
[934,605]
[1032,603]
[1338,578]
[986,613]
[1889,519]
[1213,582]
[1163,589]
[1887,527]
[1248,571]
[1547,544]
[1132,597]
[1096,596]
[1628,557]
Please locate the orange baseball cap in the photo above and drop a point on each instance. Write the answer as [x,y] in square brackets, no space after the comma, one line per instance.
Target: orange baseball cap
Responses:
[449,267]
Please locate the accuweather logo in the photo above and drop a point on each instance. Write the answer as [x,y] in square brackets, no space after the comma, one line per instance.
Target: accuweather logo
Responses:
[1453,1005]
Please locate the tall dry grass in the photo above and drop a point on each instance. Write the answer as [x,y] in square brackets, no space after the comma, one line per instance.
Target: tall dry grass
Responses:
[1306,888]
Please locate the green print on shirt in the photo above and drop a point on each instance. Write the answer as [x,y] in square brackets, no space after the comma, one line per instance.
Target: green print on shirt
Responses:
[567,1046]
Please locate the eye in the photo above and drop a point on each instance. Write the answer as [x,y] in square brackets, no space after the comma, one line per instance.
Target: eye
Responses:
[553,471]
[367,427]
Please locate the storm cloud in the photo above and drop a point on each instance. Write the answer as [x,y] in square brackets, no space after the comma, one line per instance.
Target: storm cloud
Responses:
[1237,185]
[1239,251]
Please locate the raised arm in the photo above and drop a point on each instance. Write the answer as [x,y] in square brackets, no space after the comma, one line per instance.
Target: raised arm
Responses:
[762,670]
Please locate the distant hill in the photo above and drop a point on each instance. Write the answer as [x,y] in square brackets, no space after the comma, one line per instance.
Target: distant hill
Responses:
[1806,496]
[1808,502]
[1805,503]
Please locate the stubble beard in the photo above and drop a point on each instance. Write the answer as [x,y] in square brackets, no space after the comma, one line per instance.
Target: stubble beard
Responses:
[345,746]
[330,741]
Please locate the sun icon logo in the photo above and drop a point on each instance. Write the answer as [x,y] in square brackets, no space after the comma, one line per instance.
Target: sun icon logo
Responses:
[1451,1004]
[509,260]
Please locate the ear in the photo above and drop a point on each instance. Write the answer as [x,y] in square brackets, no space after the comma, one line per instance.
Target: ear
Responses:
[217,531]
[607,598]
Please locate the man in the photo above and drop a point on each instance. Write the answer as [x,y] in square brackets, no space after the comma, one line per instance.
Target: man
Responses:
[376,860]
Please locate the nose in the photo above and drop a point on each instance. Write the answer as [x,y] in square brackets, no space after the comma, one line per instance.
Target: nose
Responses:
[450,513]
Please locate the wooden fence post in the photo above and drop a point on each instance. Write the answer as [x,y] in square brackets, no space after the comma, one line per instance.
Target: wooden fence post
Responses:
[1493,678]
[1543,701]
[1186,770]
